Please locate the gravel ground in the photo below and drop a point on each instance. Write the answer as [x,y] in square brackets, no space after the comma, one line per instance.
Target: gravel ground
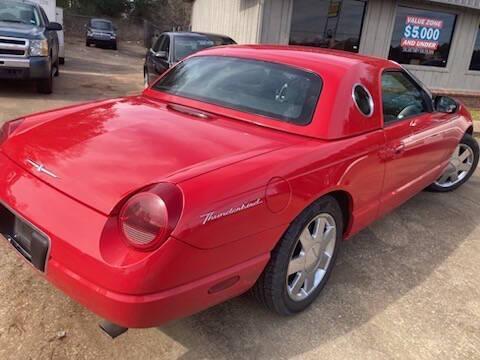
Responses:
[408,287]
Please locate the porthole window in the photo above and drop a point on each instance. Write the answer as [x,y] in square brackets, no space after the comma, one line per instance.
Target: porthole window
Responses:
[363,100]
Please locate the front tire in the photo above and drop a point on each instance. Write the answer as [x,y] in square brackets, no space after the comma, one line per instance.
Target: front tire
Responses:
[303,259]
[461,167]
[45,86]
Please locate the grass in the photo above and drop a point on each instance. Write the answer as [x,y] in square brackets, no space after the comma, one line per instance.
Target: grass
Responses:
[476,114]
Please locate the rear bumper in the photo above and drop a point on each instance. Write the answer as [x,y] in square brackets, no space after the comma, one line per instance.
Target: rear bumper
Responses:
[96,41]
[175,281]
[24,69]
[151,310]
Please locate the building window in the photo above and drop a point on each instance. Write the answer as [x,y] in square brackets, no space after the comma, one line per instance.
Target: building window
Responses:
[335,24]
[475,64]
[422,37]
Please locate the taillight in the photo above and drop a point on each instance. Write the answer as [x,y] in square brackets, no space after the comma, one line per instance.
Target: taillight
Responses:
[8,128]
[147,219]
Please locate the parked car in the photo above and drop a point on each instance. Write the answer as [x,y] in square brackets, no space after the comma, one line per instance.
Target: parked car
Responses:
[101,32]
[242,167]
[171,47]
[29,47]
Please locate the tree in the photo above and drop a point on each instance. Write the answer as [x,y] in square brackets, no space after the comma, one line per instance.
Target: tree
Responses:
[111,8]
[146,9]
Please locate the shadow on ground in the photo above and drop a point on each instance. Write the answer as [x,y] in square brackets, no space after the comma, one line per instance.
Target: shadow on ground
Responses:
[374,270]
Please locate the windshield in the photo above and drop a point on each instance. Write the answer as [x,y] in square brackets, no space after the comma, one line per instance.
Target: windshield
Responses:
[262,88]
[187,45]
[14,12]
[101,25]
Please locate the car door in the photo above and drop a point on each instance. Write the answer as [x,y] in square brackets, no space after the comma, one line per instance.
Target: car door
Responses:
[404,107]
[52,37]
[435,139]
[160,60]
[149,61]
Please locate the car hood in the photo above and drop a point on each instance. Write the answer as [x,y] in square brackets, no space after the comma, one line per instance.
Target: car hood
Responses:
[100,153]
[23,31]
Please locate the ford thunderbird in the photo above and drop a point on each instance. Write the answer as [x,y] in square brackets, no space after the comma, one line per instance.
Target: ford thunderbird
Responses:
[241,168]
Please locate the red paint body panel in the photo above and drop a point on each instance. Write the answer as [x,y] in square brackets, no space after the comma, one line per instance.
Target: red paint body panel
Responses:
[105,152]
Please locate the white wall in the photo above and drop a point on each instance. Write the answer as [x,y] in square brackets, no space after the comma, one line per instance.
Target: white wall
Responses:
[277,19]
[377,33]
[269,21]
[238,19]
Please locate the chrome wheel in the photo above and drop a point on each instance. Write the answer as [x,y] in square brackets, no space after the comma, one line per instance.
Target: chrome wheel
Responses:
[311,257]
[458,168]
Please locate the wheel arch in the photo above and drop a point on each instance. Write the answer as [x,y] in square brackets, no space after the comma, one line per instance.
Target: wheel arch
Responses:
[345,200]
[470,130]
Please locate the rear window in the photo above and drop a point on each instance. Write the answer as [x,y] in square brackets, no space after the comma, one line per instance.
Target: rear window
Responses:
[101,25]
[187,45]
[262,88]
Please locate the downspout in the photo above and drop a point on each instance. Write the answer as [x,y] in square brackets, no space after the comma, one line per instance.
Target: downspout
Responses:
[261,10]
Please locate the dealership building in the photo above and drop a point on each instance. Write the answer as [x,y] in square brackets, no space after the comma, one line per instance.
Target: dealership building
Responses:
[439,41]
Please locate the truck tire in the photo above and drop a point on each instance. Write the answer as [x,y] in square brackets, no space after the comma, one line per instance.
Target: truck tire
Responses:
[461,167]
[302,261]
[45,86]
[57,68]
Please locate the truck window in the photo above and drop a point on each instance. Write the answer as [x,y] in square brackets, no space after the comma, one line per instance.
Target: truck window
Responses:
[15,12]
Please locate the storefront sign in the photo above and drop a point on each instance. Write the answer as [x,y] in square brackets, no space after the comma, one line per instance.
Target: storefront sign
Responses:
[334,8]
[421,34]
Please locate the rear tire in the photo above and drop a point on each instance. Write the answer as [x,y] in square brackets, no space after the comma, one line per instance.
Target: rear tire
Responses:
[280,288]
[462,165]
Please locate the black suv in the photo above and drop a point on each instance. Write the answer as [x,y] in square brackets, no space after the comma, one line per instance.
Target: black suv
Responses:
[28,44]
[101,32]
[171,47]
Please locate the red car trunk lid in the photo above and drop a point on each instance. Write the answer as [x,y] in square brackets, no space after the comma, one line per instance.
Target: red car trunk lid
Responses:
[101,153]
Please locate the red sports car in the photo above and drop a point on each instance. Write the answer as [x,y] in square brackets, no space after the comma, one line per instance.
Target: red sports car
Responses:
[242,167]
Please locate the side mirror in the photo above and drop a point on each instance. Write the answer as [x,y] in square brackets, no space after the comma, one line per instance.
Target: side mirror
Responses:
[445,104]
[53,26]
[161,55]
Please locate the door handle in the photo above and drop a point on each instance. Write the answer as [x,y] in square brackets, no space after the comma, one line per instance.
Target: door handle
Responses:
[398,149]
[414,123]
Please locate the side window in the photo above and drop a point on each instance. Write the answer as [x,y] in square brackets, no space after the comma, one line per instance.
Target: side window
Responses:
[401,97]
[156,45]
[46,20]
[166,45]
